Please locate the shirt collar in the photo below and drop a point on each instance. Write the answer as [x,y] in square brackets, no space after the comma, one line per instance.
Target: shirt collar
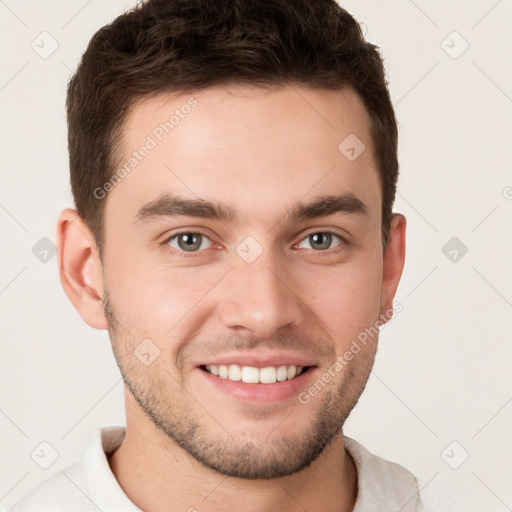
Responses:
[107,494]
[382,485]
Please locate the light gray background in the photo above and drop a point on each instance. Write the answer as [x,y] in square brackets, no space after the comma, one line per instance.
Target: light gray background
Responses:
[443,369]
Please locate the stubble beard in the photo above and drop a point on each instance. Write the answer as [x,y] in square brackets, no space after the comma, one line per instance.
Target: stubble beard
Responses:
[185,421]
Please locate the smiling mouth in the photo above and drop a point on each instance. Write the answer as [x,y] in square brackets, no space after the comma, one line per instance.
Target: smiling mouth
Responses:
[254,375]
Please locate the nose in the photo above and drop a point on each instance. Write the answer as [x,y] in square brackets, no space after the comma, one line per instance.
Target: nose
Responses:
[260,298]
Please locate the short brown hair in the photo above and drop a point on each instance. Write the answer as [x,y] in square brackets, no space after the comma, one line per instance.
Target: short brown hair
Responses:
[188,45]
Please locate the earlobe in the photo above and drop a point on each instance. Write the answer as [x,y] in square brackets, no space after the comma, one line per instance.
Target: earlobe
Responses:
[80,268]
[393,265]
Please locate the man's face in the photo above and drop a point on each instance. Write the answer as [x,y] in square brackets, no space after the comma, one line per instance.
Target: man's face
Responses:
[263,288]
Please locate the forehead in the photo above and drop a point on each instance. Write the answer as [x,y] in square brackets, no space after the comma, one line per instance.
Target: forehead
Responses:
[258,150]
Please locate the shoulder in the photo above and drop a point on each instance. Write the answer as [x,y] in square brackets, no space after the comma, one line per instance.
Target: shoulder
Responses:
[86,486]
[382,484]
[60,492]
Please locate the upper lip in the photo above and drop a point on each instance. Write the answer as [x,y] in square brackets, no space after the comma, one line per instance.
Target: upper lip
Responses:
[277,359]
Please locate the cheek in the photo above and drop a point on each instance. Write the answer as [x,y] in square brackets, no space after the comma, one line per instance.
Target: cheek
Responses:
[160,300]
[154,300]
[349,301]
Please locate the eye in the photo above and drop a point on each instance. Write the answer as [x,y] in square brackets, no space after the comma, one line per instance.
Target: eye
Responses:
[321,240]
[188,241]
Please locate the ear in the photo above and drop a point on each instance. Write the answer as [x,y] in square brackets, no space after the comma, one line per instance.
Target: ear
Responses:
[80,268]
[394,259]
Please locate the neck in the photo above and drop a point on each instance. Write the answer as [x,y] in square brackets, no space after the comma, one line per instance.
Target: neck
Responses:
[157,475]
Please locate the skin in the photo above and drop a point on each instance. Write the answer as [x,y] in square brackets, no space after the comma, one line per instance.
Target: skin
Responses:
[188,445]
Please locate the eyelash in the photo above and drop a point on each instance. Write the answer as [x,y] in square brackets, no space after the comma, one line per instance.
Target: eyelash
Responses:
[193,254]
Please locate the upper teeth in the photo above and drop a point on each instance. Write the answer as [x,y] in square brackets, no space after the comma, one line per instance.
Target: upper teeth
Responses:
[253,375]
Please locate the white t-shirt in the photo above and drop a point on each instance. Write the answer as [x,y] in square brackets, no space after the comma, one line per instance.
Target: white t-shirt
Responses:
[90,486]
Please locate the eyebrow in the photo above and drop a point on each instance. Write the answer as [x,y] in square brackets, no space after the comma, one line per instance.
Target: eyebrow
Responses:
[323,206]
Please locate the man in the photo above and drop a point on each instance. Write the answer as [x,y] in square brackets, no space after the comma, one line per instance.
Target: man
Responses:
[234,167]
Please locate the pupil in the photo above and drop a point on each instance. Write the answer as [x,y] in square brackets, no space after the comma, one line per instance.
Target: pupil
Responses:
[318,237]
[189,242]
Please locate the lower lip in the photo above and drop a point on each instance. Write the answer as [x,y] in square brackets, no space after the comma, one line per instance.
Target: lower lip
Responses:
[259,393]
